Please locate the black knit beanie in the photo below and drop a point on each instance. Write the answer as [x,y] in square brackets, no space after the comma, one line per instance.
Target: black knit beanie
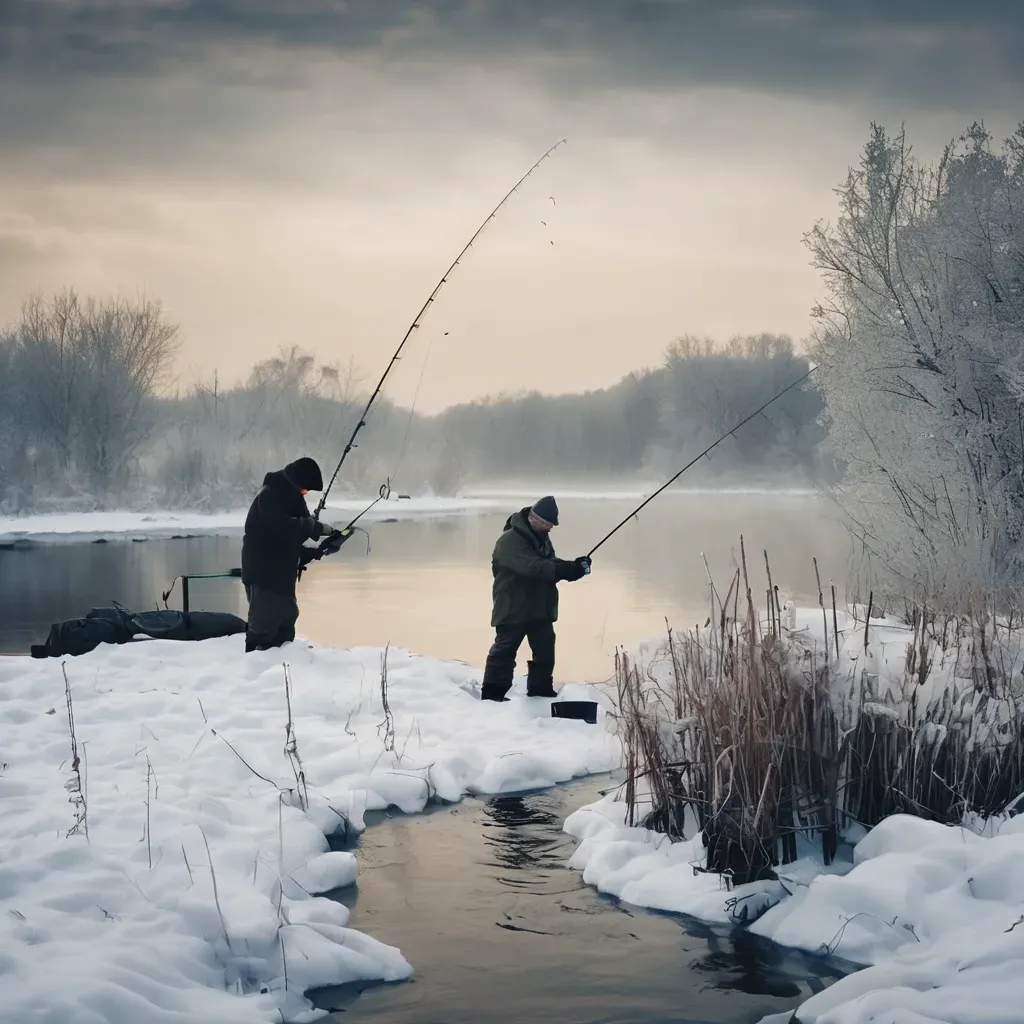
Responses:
[304,473]
[547,509]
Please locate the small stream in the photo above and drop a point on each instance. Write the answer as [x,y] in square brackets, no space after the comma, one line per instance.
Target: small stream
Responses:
[480,901]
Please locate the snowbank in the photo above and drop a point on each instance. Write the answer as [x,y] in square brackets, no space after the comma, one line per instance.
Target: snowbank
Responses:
[935,913]
[91,526]
[199,867]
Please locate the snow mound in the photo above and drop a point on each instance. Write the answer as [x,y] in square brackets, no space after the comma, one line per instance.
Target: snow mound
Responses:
[935,912]
[193,894]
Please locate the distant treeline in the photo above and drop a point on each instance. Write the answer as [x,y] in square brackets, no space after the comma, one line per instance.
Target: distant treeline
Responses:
[649,420]
[85,419]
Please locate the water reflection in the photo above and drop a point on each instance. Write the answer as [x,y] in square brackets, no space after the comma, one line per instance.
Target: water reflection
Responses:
[426,585]
[480,901]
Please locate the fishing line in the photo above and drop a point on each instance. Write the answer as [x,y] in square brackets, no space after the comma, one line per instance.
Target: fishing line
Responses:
[412,409]
[672,479]
[385,488]
[417,321]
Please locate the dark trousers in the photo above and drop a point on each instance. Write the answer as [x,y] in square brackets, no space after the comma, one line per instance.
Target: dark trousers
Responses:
[501,659]
[271,620]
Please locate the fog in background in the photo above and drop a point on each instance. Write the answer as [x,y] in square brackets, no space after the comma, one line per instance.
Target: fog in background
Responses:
[82,424]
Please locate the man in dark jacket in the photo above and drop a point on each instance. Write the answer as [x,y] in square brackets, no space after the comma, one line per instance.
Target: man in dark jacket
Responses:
[525,594]
[276,527]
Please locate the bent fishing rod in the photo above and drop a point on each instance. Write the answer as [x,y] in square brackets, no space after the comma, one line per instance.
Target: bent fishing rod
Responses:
[673,479]
[416,323]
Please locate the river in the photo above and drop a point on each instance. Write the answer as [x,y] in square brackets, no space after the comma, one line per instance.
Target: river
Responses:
[425,584]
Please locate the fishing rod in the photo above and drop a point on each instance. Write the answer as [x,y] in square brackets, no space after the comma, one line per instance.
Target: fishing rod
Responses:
[671,480]
[416,323]
[332,543]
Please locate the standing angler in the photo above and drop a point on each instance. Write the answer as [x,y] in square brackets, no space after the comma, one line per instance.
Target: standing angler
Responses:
[525,594]
[272,551]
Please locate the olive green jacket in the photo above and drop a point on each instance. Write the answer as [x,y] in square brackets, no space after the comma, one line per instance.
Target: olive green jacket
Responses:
[524,569]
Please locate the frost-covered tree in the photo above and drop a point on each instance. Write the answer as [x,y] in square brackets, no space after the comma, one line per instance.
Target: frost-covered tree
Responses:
[921,351]
[85,373]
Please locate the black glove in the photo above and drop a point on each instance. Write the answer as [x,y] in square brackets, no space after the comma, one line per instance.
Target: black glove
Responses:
[584,561]
[322,529]
[332,545]
[569,571]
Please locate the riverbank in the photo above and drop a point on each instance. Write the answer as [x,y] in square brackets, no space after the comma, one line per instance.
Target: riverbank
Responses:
[164,853]
[914,721]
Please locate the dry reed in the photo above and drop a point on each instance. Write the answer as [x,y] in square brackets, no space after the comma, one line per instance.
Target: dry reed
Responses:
[753,738]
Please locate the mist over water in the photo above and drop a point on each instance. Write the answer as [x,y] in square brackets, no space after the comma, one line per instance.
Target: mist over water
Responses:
[425,585]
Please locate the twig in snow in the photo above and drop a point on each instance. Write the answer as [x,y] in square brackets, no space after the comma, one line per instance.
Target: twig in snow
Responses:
[835,621]
[191,880]
[243,760]
[405,745]
[828,948]
[205,719]
[149,840]
[280,851]
[291,746]
[821,604]
[74,785]
[389,722]
[216,896]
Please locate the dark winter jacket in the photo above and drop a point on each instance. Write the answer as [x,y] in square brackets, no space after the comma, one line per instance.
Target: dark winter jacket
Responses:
[525,570]
[277,524]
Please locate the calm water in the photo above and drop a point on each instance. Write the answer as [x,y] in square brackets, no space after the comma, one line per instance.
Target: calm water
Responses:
[425,585]
[497,928]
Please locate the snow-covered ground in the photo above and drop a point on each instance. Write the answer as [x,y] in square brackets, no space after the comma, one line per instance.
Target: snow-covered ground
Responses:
[88,526]
[193,895]
[937,912]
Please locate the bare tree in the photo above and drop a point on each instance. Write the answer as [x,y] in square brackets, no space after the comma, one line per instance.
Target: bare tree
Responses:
[88,371]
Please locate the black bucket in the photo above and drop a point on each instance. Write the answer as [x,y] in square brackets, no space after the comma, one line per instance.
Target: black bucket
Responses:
[583,710]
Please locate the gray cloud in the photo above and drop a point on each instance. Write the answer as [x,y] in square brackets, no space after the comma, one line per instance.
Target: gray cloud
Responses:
[111,88]
[936,53]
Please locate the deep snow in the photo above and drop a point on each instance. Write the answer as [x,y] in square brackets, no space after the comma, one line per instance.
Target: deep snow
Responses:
[199,934]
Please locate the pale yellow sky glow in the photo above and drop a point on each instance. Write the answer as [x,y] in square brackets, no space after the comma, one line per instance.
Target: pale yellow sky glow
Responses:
[272,195]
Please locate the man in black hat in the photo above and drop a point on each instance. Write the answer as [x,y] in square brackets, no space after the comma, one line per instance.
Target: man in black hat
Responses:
[276,527]
[525,595]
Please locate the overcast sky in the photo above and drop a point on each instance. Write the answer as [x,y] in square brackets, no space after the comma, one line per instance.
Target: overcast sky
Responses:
[302,171]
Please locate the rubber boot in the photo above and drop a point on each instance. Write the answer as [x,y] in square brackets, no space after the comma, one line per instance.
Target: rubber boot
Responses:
[538,688]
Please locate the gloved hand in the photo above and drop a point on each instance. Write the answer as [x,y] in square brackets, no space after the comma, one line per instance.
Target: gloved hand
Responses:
[569,571]
[584,561]
[332,545]
[323,529]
